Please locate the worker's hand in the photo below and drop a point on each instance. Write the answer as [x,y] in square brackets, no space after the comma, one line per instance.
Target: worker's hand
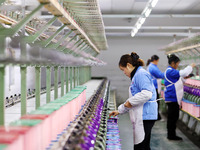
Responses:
[114,113]
[180,106]
[189,76]
[128,105]
[193,65]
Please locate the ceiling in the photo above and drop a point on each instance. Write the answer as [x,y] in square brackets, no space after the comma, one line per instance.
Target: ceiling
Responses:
[168,18]
[174,18]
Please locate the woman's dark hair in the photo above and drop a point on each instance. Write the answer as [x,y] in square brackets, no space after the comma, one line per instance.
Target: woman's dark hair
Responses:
[172,58]
[133,59]
[148,62]
[154,57]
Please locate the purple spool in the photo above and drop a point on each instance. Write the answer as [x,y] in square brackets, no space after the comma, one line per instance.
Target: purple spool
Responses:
[88,143]
[195,92]
[185,88]
[198,92]
[190,90]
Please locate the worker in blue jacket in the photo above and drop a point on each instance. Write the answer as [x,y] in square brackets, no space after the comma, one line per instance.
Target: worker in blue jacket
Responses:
[141,104]
[174,93]
[155,74]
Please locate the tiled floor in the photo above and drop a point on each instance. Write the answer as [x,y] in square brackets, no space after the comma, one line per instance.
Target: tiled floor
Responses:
[126,132]
[158,138]
[160,142]
[14,113]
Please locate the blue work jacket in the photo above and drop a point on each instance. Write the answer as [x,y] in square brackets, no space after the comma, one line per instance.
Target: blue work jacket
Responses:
[155,73]
[170,91]
[142,81]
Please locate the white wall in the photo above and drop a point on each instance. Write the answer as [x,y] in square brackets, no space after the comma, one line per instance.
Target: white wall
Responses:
[145,47]
[43,76]
[13,80]
[13,75]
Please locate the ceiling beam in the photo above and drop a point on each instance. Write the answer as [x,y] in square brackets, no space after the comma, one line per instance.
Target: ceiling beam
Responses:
[139,15]
[154,27]
[152,15]
[158,34]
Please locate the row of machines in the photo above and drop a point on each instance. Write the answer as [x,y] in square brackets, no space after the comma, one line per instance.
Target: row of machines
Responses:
[67,123]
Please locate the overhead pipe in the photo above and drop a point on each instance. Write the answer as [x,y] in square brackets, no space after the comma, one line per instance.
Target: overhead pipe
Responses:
[153,27]
[136,16]
[151,16]
[159,34]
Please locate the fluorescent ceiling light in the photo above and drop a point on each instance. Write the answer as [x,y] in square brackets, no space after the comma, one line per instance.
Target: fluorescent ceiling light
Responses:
[135,30]
[145,9]
[153,3]
[142,20]
[133,34]
[138,25]
[147,13]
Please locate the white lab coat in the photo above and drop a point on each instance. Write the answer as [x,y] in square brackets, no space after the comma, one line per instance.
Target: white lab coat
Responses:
[179,84]
[136,113]
[137,122]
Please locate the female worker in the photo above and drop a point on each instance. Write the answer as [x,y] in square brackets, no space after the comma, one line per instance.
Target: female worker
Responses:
[155,74]
[141,103]
[174,93]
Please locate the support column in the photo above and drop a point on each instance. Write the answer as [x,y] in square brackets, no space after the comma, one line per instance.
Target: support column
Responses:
[37,86]
[78,76]
[67,79]
[85,74]
[48,84]
[82,74]
[23,90]
[74,77]
[90,73]
[2,100]
[23,79]
[2,81]
[55,82]
[62,81]
[71,78]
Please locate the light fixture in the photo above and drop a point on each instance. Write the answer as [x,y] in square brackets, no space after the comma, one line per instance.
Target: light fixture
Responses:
[145,9]
[134,31]
[132,34]
[142,20]
[153,3]
[138,25]
[145,13]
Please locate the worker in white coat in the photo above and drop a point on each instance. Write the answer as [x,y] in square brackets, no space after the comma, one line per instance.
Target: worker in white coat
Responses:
[141,104]
[174,93]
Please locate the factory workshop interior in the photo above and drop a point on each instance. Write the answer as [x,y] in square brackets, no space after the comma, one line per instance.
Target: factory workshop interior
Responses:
[64,84]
